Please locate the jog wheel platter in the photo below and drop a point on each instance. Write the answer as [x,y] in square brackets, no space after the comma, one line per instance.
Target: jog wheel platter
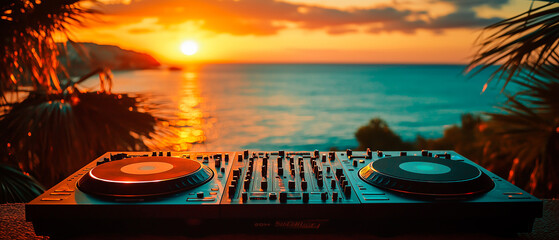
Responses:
[144,177]
[426,176]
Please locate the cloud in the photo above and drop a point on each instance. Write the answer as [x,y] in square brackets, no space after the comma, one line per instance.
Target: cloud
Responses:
[263,17]
[460,19]
[461,4]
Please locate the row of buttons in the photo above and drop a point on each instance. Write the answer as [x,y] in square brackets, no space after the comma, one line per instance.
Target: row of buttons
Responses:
[516,195]
[284,196]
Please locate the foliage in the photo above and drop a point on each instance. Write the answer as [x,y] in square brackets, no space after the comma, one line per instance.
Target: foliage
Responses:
[28,48]
[526,136]
[524,139]
[521,43]
[378,136]
[16,186]
[52,127]
[465,139]
[52,135]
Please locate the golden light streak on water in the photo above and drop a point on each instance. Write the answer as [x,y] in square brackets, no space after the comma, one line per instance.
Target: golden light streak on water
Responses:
[190,117]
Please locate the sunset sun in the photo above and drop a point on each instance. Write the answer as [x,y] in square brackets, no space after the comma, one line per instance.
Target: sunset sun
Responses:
[189,47]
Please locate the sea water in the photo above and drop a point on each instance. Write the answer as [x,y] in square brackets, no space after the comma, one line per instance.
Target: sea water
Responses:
[307,106]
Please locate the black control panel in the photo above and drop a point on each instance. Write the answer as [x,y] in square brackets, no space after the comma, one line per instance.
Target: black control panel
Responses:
[288,190]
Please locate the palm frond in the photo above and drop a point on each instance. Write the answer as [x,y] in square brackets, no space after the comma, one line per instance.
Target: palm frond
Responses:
[53,135]
[526,136]
[28,48]
[522,43]
[15,186]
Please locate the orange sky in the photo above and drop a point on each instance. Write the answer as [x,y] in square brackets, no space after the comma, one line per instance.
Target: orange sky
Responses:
[333,31]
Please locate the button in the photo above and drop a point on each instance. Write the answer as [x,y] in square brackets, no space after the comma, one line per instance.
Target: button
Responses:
[348,152]
[280,171]
[60,193]
[244,196]
[424,153]
[281,153]
[374,197]
[327,169]
[226,158]
[236,172]
[222,169]
[331,156]
[319,182]
[335,196]
[324,196]
[291,184]
[344,183]
[206,199]
[518,197]
[247,184]
[323,157]
[512,193]
[403,153]
[245,153]
[283,197]
[293,196]
[347,190]
[264,185]
[305,197]
[51,199]
[372,193]
[369,154]
[379,153]
[168,154]
[217,163]
[240,158]
[231,190]
[355,163]
[153,154]
[200,195]
[316,153]
[339,172]
[333,184]
[64,189]
[304,185]
[280,162]
[160,154]
[273,196]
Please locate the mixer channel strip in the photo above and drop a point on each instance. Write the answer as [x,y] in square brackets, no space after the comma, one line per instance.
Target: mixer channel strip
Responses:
[294,177]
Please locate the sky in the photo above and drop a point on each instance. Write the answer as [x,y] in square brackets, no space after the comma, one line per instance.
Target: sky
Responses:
[299,31]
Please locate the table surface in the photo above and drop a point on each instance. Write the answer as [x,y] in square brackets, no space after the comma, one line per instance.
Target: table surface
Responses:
[14,226]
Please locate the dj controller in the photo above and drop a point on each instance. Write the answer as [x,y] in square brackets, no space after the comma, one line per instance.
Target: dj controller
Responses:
[197,192]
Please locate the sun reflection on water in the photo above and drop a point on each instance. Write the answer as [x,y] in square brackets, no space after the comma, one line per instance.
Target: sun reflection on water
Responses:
[189,125]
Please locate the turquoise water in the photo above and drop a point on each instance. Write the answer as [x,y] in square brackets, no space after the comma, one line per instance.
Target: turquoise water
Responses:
[303,107]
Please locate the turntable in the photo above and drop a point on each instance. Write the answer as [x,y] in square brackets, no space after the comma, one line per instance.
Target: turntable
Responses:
[200,192]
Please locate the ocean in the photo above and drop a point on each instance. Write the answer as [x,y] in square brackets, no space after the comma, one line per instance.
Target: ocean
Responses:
[219,107]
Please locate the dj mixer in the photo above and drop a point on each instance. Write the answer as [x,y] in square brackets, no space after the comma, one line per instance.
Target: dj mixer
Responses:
[246,191]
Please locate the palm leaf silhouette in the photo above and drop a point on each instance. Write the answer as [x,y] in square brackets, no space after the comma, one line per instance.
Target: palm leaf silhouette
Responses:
[526,136]
[52,128]
[523,42]
[15,186]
